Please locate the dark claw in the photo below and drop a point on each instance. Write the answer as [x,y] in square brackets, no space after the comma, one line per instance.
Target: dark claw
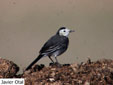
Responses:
[66,64]
[55,64]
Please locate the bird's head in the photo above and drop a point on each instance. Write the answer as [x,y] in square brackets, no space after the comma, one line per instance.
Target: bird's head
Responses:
[64,31]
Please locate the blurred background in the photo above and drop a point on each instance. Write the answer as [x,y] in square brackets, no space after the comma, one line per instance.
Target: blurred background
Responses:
[25,25]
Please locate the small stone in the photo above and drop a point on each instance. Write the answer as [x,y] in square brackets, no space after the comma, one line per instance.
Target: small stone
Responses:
[51,79]
[86,83]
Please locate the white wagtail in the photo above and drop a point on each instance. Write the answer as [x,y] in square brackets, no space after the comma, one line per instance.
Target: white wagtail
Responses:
[55,46]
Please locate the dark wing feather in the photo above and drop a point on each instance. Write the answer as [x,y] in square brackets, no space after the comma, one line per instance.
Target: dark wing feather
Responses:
[54,43]
[49,44]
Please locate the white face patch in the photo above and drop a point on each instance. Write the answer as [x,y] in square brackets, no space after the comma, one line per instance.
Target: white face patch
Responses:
[64,32]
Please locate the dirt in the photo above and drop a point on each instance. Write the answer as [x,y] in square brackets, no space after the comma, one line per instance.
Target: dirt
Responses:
[87,73]
[8,69]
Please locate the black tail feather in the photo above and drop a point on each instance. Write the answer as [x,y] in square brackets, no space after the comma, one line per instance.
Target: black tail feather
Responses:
[37,59]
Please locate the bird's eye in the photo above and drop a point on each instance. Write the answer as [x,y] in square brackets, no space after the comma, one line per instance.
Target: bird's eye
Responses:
[64,31]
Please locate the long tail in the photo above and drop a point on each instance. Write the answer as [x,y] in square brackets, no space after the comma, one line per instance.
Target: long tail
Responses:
[37,59]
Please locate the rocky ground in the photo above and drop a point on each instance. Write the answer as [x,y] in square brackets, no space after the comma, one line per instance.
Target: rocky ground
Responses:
[87,73]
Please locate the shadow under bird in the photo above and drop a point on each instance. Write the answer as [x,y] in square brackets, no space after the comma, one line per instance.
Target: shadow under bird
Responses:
[55,46]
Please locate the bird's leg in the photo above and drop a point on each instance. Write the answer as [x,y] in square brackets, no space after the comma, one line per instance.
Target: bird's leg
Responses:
[57,63]
[56,59]
[51,59]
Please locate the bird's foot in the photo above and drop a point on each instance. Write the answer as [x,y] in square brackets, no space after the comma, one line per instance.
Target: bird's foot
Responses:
[55,64]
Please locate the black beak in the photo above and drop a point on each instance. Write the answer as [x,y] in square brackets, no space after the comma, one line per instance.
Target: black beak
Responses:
[72,31]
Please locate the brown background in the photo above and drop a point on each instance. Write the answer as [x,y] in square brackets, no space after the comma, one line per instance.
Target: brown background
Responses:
[25,25]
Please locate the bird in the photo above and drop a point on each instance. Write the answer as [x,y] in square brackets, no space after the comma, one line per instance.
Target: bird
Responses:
[55,46]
